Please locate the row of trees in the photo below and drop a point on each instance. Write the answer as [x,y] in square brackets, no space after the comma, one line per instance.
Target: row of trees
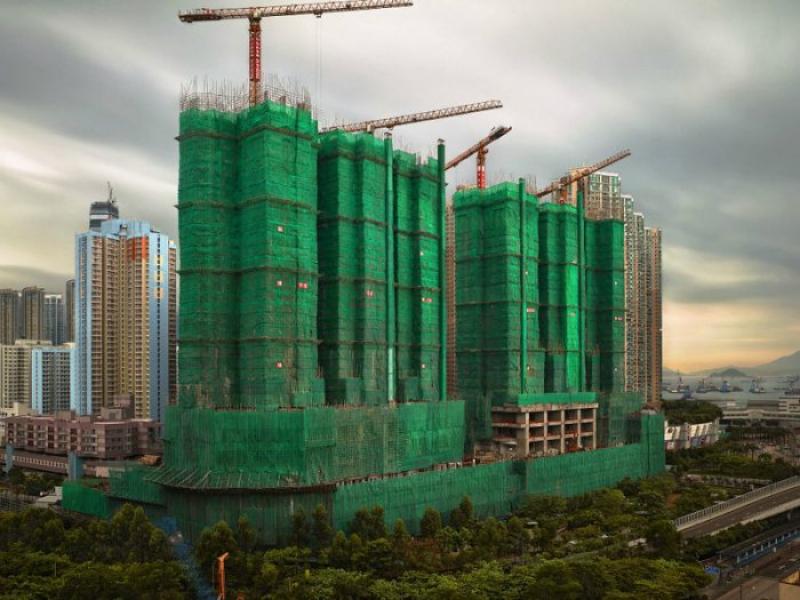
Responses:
[732,458]
[550,548]
[678,412]
[44,555]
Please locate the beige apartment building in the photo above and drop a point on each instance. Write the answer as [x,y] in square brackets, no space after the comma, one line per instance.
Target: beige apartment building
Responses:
[125,325]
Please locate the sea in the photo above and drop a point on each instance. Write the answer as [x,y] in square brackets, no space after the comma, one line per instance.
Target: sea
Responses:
[774,389]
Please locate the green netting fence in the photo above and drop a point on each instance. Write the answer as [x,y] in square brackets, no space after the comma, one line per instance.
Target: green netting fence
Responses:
[87,500]
[217,449]
[130,483]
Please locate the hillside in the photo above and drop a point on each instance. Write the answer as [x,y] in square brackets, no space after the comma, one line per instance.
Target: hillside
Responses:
[729,373]
[785,365]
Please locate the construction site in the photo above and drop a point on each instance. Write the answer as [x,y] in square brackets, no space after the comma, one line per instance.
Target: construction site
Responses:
[352,335]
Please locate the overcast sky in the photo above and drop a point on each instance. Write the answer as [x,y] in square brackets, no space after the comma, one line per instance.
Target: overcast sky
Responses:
[706,94]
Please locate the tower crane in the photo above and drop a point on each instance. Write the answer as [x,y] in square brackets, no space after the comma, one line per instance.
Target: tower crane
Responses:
[480,148]
[256,13]
[431,115]
[560,186]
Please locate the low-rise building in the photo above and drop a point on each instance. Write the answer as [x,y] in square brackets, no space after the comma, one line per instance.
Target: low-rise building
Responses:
[683,436]
[108,436]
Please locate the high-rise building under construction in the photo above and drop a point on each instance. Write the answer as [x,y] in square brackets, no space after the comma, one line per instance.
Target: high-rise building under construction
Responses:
[605,200]
[313,336]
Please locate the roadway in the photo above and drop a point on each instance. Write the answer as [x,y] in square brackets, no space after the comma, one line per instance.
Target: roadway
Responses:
[763,585]
[743,514]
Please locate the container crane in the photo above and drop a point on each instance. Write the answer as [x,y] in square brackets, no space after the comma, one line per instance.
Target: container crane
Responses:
[256,13]
[431,115]
[480,148]
[562,184]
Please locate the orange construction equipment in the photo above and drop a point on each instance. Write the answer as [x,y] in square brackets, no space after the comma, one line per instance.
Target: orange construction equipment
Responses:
[431,115]
[561,185]
[256,13]
[481,149]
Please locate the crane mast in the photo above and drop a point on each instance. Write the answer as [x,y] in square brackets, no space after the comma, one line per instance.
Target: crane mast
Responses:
[480,148]
[256,13]
[563,183]
[431,115]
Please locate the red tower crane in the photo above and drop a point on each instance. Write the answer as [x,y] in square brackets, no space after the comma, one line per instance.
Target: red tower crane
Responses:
[563,183]
[480,148]
[430,115]
[256,13]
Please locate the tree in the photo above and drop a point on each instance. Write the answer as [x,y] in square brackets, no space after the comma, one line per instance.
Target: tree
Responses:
[301,530]
[543,507]
[338,554]
[267,578]
[554,579]
[321,527]
[134,539]
[16,477]
[213,543]
[431,522]
[401,542]
[462,514]
[664,538]
[369,524]
[245,534]
[517,536]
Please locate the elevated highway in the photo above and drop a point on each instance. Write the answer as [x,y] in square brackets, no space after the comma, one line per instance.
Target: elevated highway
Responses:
[774,499]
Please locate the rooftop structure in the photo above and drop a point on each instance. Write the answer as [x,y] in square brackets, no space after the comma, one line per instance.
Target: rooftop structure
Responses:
[102,211]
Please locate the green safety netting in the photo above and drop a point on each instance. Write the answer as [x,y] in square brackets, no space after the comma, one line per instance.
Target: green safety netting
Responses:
[285,298]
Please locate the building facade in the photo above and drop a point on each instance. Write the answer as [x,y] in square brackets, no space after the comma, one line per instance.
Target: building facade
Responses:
[33,313]
[51,378]
[54,328]
[69,311]
[101,437]
[9,316]
[654,317]
[15,373]
[125,299]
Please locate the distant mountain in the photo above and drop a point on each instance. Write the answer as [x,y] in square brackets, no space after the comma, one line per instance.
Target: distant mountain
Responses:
[729,373]
[715,371]
[667,372]
[786,365]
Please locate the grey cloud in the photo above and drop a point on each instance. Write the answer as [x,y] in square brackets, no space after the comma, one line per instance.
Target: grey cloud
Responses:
[705,94]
